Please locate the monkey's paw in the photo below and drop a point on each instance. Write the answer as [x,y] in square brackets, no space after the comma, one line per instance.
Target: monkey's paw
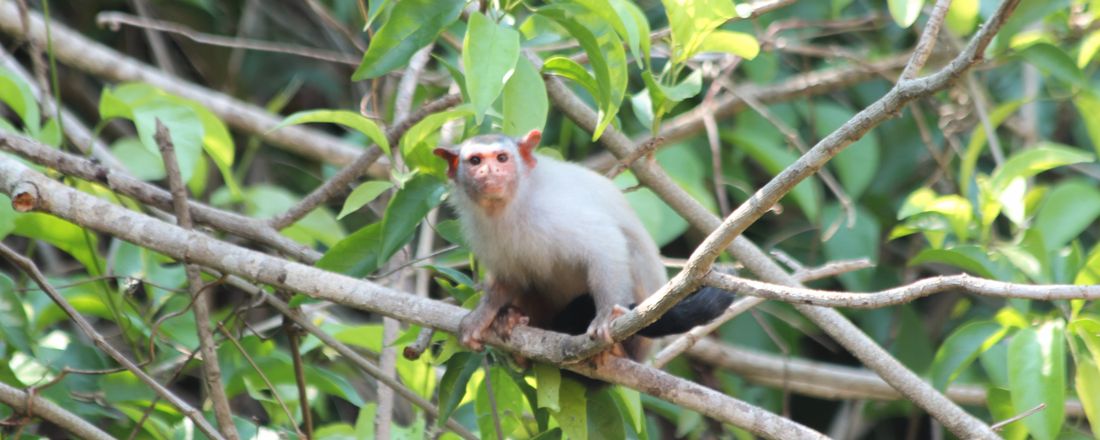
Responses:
[509,318]
[471,332]
[601,326]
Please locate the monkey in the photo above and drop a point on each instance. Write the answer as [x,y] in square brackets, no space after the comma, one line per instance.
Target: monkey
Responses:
[561,245]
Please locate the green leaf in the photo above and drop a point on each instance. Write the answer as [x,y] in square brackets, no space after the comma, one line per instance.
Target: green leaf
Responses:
[691,21]
[736,43]
[452,388]
[977,142]
[451,230]
[1000,407]
[138,160]
[14,327]
[1090,45]
[856,164]
[405,211]
[1067,210]
[365,193]
[1036,373]
[507,403]
[1090,271]
[411,25]
[548,379]
[1088,106]
[569,69]
[17,95]
[962,16]
[604,418]
[660,220]
[68,237]
[524,105]
[636,27]
[771,155]
[185,130]
[971,259]
[905,12]
[860,240]
[573,417]
[1087,383]
[357,254]
[417,143]
[50,134]
[346,118]
[489,53]
[7,216]
[961,348]
[1055,62]
[598,51]
[1033,161]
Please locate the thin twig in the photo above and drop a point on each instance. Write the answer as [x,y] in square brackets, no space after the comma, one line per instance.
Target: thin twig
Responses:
[28,267]
[902,294]
[113,20]
[294,336]
[1001,424]
[211,368]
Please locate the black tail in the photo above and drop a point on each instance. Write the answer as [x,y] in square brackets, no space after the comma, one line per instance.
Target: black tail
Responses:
[699,308]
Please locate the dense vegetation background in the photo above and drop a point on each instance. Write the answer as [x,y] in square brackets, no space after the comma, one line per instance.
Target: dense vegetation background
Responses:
[304,130]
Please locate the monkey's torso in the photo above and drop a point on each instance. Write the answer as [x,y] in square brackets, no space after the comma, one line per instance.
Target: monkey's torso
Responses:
[568,231]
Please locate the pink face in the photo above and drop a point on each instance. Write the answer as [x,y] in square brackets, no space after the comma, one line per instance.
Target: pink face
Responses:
[490,171]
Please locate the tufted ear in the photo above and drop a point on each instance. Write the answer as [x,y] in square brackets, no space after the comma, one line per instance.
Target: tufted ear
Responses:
[527,146]
[451,156]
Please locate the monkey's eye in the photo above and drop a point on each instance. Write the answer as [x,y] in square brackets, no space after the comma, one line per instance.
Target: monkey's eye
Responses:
[475,160]
[502,158]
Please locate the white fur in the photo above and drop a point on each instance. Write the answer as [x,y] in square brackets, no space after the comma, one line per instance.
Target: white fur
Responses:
[567,231]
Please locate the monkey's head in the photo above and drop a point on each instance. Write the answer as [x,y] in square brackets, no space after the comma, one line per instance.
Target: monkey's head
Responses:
[489,168]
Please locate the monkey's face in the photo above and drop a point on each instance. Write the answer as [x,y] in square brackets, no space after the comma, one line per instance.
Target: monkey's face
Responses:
[489,172]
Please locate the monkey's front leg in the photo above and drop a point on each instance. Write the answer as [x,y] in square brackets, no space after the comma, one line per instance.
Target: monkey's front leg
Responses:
[611,286]
[471,331]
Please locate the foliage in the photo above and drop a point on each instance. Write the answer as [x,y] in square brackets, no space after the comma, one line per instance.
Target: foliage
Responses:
[995,177]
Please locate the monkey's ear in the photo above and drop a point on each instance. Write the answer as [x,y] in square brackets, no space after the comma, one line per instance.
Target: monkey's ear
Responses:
[451,157]
[527,146]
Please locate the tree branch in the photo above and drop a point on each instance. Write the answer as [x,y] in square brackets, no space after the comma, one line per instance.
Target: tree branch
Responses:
[152,195]
[35,191]
[212,375]
[825,380]
[901,294]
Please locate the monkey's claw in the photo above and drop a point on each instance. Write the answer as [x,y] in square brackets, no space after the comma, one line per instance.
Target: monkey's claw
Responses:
[509,318]
[600,328]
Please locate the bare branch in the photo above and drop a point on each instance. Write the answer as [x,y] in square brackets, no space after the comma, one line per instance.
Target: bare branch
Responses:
[211,369]
[902,294]
[114,20]
[927,40]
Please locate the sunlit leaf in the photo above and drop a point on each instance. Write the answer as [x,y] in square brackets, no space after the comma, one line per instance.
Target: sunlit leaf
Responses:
[524,105]
[1037,374]
[489,53]
[346,118]
[365,193]
[905,12]
[736,43]
[412,24]
[960,349]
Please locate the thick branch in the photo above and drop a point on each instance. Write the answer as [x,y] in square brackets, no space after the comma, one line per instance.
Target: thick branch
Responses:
[35,191]
[153,195]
